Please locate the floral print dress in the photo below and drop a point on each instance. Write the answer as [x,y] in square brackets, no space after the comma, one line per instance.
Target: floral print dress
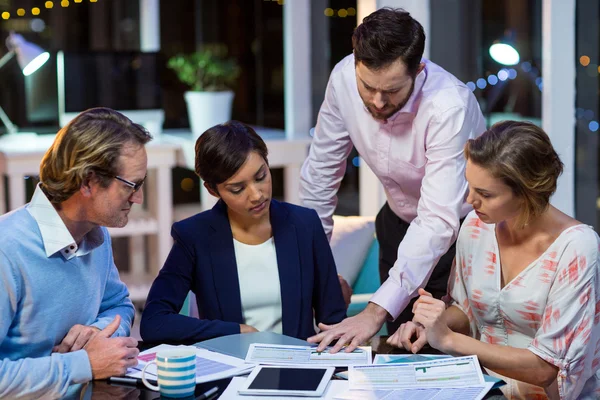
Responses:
[551,308]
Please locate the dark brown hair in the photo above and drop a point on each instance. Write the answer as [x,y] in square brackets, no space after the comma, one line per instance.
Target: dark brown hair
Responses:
[522,156]
[223,149]
[387,35]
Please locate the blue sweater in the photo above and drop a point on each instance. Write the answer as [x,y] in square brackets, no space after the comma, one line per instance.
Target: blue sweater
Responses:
[43,297]
[203,260]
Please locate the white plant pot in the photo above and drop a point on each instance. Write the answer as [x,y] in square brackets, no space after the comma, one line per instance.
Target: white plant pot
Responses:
[207,109]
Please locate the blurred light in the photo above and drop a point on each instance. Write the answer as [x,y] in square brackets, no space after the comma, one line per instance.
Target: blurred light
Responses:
[311,132]
[93,1]
[512,73]
[541,86]
[471,86]
[526,66]
[36,63]
[588,114]
[35,11]
[64,3]
[342,13]
[37,25]
[21,12]
[78,1]
[351,11]
[584,60]
[481,83]
[49,4]
[280,2]
[593,125]
[492,79]
[538,80]
[187,184]
[579,112]
[503,74]
[328,12]
[5,15]
[504,54]
[356,162]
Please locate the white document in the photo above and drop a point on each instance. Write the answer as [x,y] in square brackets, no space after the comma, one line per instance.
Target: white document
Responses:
[260,353]
[406,358]
[445,372]
[334,388]
[210,366]
[466,393]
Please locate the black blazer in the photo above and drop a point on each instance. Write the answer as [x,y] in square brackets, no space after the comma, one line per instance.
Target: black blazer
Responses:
[203,260]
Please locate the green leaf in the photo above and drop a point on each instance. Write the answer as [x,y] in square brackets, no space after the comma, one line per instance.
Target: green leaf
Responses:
[206,70]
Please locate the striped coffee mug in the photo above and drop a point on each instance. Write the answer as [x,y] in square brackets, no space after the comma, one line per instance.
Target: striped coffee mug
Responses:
[176,371]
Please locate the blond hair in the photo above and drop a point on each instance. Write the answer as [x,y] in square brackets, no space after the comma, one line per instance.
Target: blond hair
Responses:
[522,156]
[90,145]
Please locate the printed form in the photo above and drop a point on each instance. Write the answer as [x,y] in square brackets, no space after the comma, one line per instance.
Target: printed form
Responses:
[440,373]
[260,353]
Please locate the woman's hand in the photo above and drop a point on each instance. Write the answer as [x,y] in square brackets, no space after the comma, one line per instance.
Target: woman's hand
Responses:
[429,314]
[403,336]
[247,328]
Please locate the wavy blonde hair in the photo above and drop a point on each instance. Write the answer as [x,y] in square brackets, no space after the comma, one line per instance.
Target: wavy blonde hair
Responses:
[88,147]
[522,156]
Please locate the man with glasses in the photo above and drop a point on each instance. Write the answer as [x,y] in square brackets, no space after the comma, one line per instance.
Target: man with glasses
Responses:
[64,313]
[409,119]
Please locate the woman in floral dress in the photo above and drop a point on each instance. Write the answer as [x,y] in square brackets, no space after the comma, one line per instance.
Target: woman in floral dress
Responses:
[524,294]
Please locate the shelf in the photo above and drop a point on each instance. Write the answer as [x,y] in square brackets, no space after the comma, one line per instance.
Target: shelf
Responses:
[138,285]
[140,223]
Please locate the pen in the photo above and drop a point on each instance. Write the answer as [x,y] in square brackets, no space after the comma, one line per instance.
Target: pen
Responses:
[118,380]
[208,393]
[123,381]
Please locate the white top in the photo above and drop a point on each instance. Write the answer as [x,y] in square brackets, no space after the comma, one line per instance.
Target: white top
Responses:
[260,290]
[551,308]
[417,154]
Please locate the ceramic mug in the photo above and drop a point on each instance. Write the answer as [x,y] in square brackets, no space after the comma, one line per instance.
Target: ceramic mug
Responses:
[176,372]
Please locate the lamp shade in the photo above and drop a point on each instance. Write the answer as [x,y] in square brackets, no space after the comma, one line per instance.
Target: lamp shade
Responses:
[504,54]
[29,56]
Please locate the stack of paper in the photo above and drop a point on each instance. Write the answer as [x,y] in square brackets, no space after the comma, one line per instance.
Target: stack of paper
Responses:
[440,378]
[210,366]
[260,353]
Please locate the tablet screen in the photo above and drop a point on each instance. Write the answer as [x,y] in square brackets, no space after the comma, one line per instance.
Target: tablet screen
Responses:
[287,379]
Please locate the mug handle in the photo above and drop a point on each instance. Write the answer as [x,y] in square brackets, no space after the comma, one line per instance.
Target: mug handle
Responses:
[148,384]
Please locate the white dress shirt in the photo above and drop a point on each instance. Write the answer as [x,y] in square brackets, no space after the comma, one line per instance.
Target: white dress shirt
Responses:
[417,154]
[260,290]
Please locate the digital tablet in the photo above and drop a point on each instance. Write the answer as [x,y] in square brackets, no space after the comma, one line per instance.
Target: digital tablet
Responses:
[287,381]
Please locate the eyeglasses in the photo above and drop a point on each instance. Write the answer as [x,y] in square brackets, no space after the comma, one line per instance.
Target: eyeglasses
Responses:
[133,185]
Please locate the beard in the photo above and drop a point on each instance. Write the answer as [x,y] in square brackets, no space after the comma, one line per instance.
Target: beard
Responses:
[390,108]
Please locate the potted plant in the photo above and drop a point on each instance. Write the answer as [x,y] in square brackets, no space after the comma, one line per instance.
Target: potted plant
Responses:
[211,76]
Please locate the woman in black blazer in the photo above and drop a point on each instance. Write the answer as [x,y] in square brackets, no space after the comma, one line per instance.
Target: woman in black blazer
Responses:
[249,236]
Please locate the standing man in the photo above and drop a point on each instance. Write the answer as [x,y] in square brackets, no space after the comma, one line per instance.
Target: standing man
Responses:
[409,119]
[64,313]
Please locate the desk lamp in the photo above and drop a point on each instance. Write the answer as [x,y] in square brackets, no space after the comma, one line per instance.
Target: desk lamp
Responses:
[30,58]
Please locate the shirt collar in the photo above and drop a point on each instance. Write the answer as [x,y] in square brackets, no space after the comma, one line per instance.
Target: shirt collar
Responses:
[55,235]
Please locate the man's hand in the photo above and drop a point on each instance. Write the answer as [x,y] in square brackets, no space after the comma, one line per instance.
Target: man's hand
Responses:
[76,339]
[111,356]
[403,336]
[352,331]
[346,290]
[247,328]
